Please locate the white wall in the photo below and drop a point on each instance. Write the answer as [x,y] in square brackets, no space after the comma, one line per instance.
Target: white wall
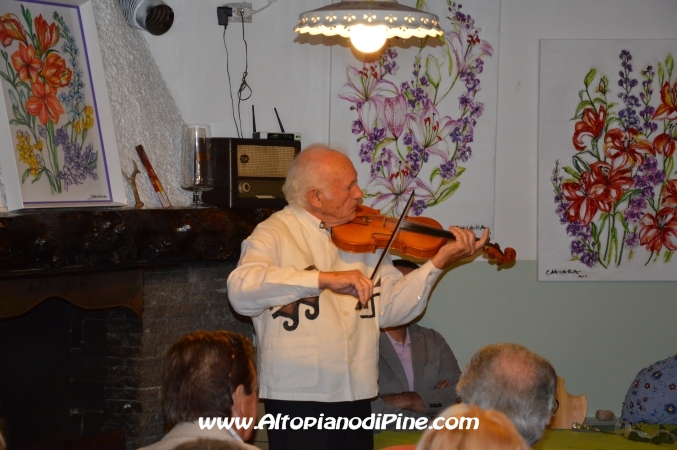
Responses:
[598,335]
[523,23]
[282,73]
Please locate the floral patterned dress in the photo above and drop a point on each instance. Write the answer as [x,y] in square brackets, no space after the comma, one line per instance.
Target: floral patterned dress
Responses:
[652,397]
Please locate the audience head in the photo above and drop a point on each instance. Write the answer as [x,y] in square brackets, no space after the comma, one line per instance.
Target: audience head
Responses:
[515,381]
[210,374]
[493,431]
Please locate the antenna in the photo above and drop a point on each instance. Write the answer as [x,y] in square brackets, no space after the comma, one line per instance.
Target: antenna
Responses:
[253,121]
[278,120]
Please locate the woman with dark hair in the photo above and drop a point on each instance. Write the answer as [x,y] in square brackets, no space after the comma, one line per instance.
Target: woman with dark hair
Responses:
[208,381]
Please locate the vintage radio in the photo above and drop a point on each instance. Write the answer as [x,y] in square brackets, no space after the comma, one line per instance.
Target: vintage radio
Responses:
[249,173]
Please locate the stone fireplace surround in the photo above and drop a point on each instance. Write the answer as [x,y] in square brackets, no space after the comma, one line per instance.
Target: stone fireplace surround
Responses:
[139,280]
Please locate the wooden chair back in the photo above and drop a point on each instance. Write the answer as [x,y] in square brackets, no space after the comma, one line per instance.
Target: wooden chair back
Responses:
[571,408]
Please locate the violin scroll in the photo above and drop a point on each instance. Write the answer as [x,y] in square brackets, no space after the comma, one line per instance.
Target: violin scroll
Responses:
[494,252]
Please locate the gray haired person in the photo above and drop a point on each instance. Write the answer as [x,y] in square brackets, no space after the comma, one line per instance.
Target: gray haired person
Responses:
[512,379]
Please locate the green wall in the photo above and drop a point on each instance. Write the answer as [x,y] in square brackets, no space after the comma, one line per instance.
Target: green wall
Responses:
[597,335]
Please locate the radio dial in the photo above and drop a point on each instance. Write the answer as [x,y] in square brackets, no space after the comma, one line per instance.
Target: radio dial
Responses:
[243,187]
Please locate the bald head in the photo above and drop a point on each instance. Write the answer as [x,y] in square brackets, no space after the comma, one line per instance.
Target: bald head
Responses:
[312,168]
[323,181]
[516,369]
[515,381]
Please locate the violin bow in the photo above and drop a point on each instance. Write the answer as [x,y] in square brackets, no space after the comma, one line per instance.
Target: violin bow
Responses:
[386,249]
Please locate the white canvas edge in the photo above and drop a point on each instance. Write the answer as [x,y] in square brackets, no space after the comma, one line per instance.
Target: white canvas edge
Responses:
[539,161]
[10,176]
[106,123]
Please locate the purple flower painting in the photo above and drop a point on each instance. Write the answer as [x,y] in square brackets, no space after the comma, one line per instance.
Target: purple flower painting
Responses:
[419,134]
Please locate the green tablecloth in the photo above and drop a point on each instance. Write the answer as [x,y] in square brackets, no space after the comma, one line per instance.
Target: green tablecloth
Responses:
[552,440]
[570,439]
[389,438]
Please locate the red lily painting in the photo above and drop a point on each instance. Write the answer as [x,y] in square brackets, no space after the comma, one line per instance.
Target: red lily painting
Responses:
[617,196]
[591,125]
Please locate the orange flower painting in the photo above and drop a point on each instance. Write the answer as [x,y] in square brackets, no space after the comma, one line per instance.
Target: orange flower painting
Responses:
[668,107]
[26,63]
[50,112]
[47,34]
[44,104]
[55,72]
[11,29]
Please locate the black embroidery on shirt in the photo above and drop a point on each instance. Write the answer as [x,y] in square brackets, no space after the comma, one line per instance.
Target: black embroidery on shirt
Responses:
[291,311]
[370,304]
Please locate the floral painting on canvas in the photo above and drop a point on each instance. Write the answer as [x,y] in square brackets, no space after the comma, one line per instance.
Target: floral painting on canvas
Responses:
[420,116]
[608,187]
[58,150]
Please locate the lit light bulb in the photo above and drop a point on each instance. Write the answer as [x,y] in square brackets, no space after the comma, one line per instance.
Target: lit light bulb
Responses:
[366,38]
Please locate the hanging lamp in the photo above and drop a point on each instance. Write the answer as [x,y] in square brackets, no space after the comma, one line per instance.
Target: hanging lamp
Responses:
[369,23]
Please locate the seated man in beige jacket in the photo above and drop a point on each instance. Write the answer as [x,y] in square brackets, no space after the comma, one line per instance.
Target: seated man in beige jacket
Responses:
[207,377]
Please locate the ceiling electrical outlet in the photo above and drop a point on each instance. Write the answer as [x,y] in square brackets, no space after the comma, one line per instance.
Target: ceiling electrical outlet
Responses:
[242,12]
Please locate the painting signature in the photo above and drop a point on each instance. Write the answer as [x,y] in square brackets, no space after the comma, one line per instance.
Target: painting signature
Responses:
[578,273]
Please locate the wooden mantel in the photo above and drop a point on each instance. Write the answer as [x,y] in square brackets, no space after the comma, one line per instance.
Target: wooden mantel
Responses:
[72,253]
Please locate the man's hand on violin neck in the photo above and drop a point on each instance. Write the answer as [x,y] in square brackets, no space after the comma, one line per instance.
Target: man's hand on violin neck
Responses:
[350,282]
[465,245]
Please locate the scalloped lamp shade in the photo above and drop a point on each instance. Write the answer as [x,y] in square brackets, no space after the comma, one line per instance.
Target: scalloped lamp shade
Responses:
[369,23]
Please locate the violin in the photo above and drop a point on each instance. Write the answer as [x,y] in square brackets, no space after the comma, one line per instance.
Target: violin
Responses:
[418,237]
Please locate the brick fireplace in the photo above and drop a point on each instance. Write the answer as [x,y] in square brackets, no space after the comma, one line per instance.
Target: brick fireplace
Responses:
[83,332]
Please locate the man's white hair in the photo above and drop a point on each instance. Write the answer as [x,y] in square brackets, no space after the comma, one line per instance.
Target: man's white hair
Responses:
[306,172]
[514,380]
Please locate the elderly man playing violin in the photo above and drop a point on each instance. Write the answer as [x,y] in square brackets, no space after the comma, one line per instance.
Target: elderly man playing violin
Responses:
[317,353]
